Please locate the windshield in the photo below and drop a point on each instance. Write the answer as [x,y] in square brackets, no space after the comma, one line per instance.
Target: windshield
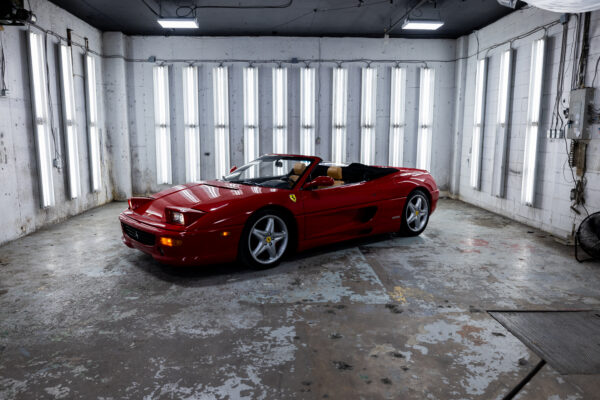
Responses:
[271,171]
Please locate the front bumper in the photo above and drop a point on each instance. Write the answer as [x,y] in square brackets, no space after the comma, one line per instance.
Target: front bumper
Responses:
[199,247]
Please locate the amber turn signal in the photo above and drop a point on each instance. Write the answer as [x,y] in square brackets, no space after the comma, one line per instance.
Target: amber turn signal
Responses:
[225,233]
[170,242]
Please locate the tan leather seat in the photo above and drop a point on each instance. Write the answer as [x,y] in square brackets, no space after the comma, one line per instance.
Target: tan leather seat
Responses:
[336,174]
[297,171]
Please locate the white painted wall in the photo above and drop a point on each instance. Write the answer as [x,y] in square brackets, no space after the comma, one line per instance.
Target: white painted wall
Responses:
[552,206]
[128,130]
[179,51]
[19,195]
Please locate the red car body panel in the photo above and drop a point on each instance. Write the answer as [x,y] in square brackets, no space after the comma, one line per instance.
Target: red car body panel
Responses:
[321,216]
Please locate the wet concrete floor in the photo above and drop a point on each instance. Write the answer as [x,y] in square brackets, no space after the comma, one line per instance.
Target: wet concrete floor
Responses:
[83,316]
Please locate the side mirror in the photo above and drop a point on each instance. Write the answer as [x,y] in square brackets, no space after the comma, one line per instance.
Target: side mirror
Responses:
[232,169]
[319,181]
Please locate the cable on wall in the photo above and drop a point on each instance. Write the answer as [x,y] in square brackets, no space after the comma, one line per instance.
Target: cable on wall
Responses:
[287,61]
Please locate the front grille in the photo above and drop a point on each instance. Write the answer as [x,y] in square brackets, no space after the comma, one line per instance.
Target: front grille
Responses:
[143,237]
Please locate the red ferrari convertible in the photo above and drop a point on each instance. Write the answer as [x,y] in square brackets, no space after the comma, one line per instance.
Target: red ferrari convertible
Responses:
[274,205]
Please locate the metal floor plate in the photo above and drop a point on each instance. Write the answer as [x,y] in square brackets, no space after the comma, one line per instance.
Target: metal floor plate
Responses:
[567,340]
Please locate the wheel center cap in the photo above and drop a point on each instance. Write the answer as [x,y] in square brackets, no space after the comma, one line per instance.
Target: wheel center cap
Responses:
[416,213]
[268,239]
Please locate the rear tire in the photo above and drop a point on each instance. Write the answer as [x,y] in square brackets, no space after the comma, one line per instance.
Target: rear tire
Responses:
[415,215]
[265,240]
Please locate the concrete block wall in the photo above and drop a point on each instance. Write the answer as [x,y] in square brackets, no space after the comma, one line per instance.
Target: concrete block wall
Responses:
[125,90]
[551,211]
[20,210]
[180,51]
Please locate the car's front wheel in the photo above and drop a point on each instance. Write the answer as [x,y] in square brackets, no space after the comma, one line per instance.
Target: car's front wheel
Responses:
[265,240]
[416,213]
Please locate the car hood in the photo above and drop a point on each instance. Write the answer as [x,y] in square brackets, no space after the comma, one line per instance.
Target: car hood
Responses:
[204,196]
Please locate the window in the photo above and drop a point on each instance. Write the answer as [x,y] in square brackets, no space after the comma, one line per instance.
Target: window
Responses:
[307,111]
[37,55]
[479,113]
[426,92]
[161,121]
[221,108]
[251,141]
[368,115]
[499,173]
[397,117]
[69,112]
[92,120]
[191,123]
[339,111]
[279,110]
[533,119]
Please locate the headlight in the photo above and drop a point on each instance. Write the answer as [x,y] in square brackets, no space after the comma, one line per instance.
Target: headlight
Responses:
[182,216]
[177,218]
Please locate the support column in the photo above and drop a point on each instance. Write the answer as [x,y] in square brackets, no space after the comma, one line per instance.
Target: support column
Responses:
[115,106]
[462,48]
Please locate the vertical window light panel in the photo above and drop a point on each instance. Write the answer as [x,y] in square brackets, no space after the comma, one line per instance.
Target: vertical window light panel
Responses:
[533,119]
[162,128]
[191,123]
[68,97]
[251,141]
[424,139]
[479,113]
[397,121]
[307,111]
[499,173]
[92,120]
[221,109]
[368,115]
[339,114]
[279,110]
[40,111]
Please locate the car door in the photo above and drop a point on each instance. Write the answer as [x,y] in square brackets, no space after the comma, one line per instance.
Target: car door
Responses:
[341,211]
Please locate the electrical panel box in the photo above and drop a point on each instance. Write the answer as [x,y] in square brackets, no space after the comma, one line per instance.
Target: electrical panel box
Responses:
[579,113]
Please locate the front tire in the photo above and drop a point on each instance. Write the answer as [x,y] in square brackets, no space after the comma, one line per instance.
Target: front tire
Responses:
[265,240]
[415,215]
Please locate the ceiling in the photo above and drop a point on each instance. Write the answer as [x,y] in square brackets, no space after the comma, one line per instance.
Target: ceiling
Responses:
[366,18]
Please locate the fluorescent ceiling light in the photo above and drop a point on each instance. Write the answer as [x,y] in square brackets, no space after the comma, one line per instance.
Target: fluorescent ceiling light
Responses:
[426,99]
[162,128]
[397,117]
[533,119]
[477,139]
[68,96]
[280,117]
[40,109]
[307,111]
[92,114]
[191,120]
[221,119]
[500,153]
[422,24]
[251,139]
[339,114]
[367,115]
[178,23]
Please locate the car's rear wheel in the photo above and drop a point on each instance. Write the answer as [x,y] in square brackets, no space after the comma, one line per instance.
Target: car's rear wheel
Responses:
[415,215]
[265,240]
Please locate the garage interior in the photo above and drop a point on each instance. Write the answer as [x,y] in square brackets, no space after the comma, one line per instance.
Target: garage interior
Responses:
[99,102]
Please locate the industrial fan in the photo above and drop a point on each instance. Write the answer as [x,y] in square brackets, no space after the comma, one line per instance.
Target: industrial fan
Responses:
[588,236]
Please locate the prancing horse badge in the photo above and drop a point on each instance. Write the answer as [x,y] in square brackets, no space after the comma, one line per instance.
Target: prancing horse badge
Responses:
[293,197]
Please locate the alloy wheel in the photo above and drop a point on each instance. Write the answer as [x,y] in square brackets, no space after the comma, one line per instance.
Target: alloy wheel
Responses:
[268,239]
[417,212]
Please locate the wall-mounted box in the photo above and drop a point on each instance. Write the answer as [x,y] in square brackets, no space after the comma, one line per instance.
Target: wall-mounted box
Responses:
[579,104]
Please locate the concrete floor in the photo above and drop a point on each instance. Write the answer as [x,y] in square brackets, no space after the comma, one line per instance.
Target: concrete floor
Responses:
[83,316]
